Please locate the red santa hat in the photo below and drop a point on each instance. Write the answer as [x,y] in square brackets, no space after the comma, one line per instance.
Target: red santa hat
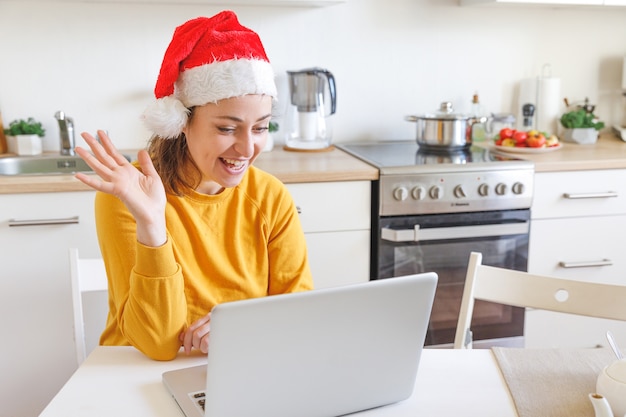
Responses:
[208,59]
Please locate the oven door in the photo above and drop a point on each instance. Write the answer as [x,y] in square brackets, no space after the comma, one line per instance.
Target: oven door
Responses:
[442,243]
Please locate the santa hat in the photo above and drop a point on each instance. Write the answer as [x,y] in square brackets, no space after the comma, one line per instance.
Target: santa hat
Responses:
[208,59]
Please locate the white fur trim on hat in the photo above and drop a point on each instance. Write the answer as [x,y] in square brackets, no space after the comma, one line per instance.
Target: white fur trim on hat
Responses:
[208,83]
[219,80]
[166,117]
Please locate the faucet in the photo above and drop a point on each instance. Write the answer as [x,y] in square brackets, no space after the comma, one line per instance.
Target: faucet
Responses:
[66,126]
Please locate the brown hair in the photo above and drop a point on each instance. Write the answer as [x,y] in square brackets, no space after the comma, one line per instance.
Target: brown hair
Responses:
[172,161]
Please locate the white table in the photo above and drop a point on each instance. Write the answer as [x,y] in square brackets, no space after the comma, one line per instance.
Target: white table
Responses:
[120,381]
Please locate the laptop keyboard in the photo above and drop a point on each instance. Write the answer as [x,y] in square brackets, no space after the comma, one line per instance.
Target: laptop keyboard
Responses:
[199,399]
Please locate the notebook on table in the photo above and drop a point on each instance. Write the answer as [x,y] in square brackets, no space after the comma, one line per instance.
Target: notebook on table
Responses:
[325,352]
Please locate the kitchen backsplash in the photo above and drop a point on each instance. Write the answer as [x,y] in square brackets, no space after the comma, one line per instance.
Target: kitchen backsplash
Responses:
[98,62]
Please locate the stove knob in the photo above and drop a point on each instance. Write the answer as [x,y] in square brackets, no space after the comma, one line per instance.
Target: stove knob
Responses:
[435,192]
[501,189]
[518,188]
[483,190]
[400,193]
[418,193]
[459,192]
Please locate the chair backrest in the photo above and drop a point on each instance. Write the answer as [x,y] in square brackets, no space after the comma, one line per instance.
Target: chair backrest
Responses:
[522,289]
[89,299]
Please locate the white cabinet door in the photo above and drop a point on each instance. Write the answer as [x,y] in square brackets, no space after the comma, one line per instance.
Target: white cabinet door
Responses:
[587,249]
[335,217]
[35,295]
[333,206]
[547,329]
[339,258]
[579,194]
[615,2]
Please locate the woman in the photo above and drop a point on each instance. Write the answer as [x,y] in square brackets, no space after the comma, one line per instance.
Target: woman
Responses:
[195,224]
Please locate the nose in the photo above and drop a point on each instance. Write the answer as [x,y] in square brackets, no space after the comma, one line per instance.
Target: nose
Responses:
[245,144]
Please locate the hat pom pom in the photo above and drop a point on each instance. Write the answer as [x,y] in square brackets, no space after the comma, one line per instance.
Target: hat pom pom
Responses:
[166,117]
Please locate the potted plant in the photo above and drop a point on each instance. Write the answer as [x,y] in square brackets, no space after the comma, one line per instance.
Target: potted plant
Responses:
[273,128]
[24,137]
[581,126]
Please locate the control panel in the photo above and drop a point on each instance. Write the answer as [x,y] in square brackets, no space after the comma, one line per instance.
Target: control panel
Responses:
[453,192]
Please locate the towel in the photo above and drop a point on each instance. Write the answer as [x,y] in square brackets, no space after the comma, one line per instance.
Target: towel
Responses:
[552,382]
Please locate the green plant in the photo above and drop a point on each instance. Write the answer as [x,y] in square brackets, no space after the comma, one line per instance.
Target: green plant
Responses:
[581,119]
[25,127]
[273,127]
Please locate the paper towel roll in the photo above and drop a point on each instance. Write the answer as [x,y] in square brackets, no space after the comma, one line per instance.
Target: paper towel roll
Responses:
[545,94]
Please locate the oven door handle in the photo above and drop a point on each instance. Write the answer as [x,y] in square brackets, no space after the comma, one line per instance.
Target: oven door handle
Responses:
[459,232]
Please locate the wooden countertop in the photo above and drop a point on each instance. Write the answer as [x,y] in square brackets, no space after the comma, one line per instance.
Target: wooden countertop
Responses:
[336,165]
[289,167]
[333,165]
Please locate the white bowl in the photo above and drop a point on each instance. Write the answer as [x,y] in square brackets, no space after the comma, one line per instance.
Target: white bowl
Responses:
[611,384]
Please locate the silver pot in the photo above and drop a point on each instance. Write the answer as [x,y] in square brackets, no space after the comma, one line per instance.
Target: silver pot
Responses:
[445,130]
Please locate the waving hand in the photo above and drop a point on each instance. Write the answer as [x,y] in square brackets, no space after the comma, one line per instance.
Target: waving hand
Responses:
[141,191]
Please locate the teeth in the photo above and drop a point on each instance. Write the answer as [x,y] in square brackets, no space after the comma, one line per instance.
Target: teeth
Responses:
[234,162]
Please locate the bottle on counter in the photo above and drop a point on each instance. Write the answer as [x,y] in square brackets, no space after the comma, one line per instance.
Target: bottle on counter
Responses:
[3,138]
[478,129]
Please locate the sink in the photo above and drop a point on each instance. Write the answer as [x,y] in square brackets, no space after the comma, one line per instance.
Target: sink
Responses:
[42,165]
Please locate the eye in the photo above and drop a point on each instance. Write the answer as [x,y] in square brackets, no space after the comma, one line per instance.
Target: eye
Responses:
[225,129]
[260,129]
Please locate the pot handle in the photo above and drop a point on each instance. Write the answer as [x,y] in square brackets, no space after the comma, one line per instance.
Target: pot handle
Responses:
[411,118]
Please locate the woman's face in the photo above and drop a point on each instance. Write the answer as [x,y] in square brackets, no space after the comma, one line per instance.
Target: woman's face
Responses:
[224,138]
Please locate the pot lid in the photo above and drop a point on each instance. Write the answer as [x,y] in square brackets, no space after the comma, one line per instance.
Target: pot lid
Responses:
[445,112]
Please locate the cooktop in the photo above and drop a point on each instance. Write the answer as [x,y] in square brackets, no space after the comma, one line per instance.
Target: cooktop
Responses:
[407,154]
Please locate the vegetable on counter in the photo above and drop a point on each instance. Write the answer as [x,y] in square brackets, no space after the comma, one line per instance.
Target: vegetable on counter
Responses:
[581,119]
[525,139]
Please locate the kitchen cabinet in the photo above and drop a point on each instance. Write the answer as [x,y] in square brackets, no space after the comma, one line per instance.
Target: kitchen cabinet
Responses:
[335,217]
[38,353]
[578,231]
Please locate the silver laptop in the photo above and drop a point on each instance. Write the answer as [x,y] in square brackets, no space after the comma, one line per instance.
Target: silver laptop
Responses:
[325,352]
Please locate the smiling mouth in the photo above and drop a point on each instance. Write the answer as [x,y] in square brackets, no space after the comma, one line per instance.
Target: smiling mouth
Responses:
[234,163]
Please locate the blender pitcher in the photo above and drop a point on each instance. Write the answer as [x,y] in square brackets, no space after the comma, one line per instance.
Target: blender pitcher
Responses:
[312,99]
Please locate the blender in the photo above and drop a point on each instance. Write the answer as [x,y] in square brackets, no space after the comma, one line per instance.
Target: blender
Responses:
[312,99]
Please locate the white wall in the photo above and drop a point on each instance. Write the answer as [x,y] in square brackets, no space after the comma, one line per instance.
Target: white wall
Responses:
[98,62]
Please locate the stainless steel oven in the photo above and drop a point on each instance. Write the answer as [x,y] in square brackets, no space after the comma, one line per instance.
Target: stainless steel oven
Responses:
[430,211]
[443,243]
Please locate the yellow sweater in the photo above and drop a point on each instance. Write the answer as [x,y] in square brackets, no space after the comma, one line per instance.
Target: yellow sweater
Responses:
[242,243]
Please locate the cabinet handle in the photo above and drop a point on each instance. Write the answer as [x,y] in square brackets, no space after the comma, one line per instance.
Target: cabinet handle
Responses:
[43,222]
[586,264]
[607,194]
[298,209]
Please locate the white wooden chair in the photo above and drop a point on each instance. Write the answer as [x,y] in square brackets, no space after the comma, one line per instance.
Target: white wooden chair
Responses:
[522,289]
[90,302]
